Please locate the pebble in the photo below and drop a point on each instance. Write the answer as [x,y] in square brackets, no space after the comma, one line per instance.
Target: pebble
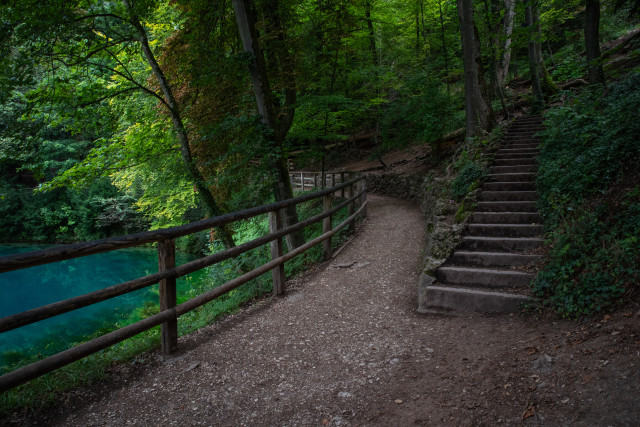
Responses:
[398,401]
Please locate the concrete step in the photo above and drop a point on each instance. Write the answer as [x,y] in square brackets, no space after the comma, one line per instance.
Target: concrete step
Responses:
[513,151]
[445,299]
[521,145]
[483,277]
[515,136]
[515,155]
[512,177]
[509,186]
[502,196]
[528,141]
[487,244]
[495,259]
[513,169]
[506,218]
[515,161]
[505,230]
[508,206]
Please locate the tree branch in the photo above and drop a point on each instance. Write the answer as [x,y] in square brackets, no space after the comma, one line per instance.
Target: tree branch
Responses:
[112,95]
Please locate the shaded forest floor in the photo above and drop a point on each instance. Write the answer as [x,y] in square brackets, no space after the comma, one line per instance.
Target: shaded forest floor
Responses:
[346,346]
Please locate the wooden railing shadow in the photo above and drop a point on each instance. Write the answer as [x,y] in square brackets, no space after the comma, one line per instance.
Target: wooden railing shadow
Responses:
[168,273]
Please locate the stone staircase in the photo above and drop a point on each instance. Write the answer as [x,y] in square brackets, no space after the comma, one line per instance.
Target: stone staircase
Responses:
[489,271]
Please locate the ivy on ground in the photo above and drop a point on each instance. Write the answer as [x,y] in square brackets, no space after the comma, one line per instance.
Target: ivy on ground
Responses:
[590,199]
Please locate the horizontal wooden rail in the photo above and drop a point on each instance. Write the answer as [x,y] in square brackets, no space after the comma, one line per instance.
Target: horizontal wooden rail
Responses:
[47,311]
[311,180]
[170,313]
[60,253]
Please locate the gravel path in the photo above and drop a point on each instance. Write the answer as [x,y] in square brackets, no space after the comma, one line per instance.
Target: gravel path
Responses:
[347,347]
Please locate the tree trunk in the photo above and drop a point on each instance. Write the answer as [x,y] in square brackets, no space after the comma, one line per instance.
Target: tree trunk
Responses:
[479,115]
[534,64]
[444,48]
[509,14]
[267,110]
[465,13]
[592,41]
[482,98]
[181,132]
[372,34]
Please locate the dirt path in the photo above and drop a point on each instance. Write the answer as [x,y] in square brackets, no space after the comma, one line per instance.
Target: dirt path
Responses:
[346,347]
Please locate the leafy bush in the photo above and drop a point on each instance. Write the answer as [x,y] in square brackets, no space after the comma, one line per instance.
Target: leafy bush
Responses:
[589,198]
[469,177]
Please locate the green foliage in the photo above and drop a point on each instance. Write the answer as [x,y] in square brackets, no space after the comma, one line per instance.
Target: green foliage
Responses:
[422,112]
[469,176]
[66,215]
[587,182]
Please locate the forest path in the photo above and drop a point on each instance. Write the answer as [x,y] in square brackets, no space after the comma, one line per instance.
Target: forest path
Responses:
[346,346]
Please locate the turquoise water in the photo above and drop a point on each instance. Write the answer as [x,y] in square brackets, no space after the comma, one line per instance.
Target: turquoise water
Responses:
[36,286]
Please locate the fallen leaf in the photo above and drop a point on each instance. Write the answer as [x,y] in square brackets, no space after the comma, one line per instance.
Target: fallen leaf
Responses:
[325,422]
[606,318]
[529,412]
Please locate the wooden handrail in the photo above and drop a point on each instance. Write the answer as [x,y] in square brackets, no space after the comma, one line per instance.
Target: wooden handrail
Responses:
[50,310]
[169,311]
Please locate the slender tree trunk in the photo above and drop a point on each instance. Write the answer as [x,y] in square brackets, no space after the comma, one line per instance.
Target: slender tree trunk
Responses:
[509,15]
[465,13]
[482,97]
[424,31]
[479,115]
[592,41]
[492,30]
[181,132]
[417,31]
[444,47]
[267,110]
[534,65]
[372,34]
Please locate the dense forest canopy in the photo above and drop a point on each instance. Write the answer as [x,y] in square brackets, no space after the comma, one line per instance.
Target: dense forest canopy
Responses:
[118,116]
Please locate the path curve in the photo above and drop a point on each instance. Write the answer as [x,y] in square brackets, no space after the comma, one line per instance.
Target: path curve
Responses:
[346,346]
[314,355]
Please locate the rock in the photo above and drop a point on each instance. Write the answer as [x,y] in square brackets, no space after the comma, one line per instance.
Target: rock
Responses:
[345,394]
[192,367]
[398,401]
[543,364]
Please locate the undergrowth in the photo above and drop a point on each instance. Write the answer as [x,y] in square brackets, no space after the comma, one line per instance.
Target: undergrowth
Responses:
[590,199]
[38,393]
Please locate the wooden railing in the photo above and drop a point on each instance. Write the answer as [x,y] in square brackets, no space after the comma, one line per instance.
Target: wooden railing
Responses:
[313,180]
[169,312]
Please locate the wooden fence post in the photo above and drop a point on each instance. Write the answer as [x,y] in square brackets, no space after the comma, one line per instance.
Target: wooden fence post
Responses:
[364,195]
[341,181]
[326,226]
[277,274]
[352,209]
[333,179]
[169,329]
